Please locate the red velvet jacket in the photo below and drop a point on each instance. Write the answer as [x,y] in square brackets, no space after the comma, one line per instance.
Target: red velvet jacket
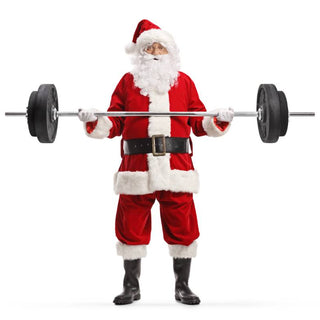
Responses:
[145,173]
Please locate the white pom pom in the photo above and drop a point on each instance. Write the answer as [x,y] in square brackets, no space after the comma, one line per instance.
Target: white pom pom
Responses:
[130,48]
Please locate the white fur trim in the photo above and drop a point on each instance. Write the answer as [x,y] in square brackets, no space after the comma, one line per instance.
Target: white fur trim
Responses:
[150,36]
[159,125]
[184,181]
[143,182]
[130,252]
[155,35]
[180,251]
[211,129]
[159,172]
[102,129]
[159,167]
[131,182]
[130,48]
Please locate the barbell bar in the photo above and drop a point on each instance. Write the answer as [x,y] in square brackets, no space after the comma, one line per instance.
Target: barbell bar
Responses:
[162,114]
[140,114]
[271,112]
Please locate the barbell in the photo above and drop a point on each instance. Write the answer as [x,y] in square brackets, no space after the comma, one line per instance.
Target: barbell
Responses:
[272,113]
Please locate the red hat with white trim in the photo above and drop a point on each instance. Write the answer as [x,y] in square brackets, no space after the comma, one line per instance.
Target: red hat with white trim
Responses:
[146,34]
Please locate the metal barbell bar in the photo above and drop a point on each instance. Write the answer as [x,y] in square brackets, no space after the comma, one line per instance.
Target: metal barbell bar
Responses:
[164,114]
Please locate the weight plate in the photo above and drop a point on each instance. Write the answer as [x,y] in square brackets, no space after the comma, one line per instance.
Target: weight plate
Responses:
[45,120]
[284,113]
[269,124]
[30,113]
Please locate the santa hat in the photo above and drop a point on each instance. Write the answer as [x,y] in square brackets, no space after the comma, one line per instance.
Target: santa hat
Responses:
[147,33]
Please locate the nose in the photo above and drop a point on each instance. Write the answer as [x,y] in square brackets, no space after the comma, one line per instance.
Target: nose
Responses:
[154,51]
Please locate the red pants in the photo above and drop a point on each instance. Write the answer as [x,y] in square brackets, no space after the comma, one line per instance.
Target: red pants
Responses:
[178,217]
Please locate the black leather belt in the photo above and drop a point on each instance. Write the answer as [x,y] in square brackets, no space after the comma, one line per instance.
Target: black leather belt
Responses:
[158,145]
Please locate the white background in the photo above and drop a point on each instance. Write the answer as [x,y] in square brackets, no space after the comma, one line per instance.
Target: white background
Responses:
[258,206]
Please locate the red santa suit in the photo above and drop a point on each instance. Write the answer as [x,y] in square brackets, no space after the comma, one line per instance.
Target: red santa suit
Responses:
[142,178]
[144,175]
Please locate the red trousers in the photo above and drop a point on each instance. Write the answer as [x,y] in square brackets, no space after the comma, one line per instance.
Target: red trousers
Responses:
[178,217]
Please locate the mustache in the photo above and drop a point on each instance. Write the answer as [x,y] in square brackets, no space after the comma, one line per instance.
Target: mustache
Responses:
[149,57]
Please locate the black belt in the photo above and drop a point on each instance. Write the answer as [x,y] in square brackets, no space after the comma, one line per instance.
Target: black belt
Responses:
[158,145]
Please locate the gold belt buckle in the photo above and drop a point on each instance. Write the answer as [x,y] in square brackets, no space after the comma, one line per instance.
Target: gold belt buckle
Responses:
[153,143]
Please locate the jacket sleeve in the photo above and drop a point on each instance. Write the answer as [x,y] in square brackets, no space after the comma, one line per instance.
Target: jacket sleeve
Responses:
[204,125]
[109,127]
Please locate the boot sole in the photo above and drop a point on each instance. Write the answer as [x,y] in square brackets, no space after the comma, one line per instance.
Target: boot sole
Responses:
[120,302]
[193,302]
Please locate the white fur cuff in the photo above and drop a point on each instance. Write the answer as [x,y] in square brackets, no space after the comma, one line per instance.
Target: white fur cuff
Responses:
[180,251]
[130,252]
[211,129]
[102,129]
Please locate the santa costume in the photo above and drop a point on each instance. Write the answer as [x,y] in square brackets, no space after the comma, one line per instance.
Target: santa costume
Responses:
[156,158]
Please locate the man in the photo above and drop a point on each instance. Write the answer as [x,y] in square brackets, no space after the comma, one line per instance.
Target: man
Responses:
[149,171]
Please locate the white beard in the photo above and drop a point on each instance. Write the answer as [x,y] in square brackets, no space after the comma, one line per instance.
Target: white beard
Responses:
[152,75]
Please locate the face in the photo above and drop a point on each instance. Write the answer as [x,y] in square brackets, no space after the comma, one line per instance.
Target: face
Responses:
[156,49]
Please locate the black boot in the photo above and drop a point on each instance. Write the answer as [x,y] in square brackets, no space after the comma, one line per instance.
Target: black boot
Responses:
[183,293]
[131,290]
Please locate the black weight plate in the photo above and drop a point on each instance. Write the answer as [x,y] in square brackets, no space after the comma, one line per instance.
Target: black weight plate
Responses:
[284,113]
[269,126]
[30,113]
[45,124]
